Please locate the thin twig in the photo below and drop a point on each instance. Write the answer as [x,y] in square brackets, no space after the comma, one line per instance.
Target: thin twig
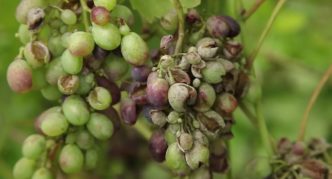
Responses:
[246,111]
[254,53]
[264,132]
[312,101]
[179,11]
[85,10]
[246,15]
[229,172]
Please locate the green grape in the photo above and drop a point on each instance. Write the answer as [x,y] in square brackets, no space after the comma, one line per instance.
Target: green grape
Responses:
[123,12]
[75,110]
[68,17]
[100,126]
[170,21]
[86,83]
[197,156]
[43,116]
[36,54]
[51,93]
[81,43]
[54,124]
[134,49]
[45,32]
[213,72]
[25,6]
[71,64]
[65,39]
[124,29]
[175,159]
[100,98]
[71,159]
[68,84]
[24,34]
[56,23]
[115,67]
[85,140]
[100,16]
[71,138]
[39,79]
[42,173]
[170,133]
[50,142]
[54,71]
[24,168]
[91,158]
[34,146]
[108,4]
[63,29]
[55,46]
[107,37]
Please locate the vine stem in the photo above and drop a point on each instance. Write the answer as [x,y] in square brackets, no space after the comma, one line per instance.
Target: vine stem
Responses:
[313,99]
[143,129]
[267,29]
[229,172]
[179,11]
[263,131]
[85,9]
[246,15]
[246,111]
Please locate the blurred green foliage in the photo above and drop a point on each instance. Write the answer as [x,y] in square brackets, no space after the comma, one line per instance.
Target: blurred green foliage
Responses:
[290,64]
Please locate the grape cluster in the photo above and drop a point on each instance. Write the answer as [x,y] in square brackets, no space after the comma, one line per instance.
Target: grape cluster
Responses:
[190,96]
[301,160]
[76,64]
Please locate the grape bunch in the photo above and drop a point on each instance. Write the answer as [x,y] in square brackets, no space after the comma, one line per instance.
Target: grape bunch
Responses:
[190,96]
[300,160]
[74,52]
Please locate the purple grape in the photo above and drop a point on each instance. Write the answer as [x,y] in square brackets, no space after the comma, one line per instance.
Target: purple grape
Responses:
[193,16]
[95,60]
[157,90]
[139,96]
[223,26]
[141,73]
[218,163]
[19,76]
[113,115]
[158,146]
[128,111]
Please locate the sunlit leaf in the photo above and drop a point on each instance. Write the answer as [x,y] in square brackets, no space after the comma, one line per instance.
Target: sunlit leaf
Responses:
[190,3]
[151,9]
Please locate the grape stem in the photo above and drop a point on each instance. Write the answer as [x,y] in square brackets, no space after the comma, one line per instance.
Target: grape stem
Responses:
[251,58]
[143,129]
[313,99]
[247,13]
[179,11]
[246,111]
[258,118]
[264,132]
[85,9]
[229,172]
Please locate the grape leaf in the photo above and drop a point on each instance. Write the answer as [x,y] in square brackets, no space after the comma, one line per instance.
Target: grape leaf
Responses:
[190,3]
[151,9]
[155,9]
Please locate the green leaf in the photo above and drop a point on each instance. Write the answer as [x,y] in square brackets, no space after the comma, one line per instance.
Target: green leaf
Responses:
[190,3]
[151,9]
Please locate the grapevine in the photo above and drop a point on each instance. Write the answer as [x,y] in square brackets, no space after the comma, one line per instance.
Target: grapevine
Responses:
[94,62]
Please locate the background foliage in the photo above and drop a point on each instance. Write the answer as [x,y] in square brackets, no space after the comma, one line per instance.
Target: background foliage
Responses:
[293,58]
